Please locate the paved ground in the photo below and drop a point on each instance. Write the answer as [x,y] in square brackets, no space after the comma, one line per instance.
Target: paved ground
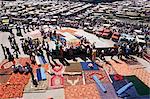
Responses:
[100,42]
[145,64]
[4,40]
[56,93]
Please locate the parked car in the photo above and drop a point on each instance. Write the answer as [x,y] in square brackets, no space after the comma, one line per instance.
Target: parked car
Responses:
[100,31]
[126,38]
[89,29]
[106,33]
[115,36]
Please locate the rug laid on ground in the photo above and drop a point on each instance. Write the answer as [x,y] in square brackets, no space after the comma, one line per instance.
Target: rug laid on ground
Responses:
[14,87]
[74,68]
[99,73]
[121,68]
[5,64]
[58,69]
[56,81]
[88,91]
[132,61]
[117,84]
[89,66]
[110,92]
[107,67]
[42,87]
[70,80]
[129,93]
[16,82]
[5,74]
[141,88]
[35,67]
[68,30]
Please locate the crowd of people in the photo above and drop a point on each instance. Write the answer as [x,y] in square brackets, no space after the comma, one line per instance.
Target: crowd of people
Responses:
[35,47]
[14,46]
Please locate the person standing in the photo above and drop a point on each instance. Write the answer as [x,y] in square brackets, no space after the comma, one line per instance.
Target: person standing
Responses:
[32,75]
[10,40]
[140,51]
[19,31]
[10,56]
[61,57]
[24,28]
[3,48]
[120,53]
[48,54]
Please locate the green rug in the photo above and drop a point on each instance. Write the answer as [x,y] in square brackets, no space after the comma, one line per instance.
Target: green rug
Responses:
[141,88]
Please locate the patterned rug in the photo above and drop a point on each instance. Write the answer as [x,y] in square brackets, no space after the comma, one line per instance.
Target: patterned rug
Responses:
[42,87]
[88,77]
[100,74]
[89,66]
[82,92]
[5,74]
[121,68]
[56,81]
[5,64]
[13,86]
[73,80]
[58,70]
[45,66]
[73,68]
[132,61]
[107,67]
[68,30]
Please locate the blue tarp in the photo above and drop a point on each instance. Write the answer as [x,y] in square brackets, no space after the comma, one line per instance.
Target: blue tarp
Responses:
[43,75]
[86,67]
[38,73]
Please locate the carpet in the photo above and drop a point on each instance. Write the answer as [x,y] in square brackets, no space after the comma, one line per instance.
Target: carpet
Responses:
[117,84]
[141,88]
[88,91]
[107,67]
[110,92]
[56,81]
[100,74]
[5,74]
[73,68]
[132,61]
[73,80]
[68,30]
[132,92]
[15,84]
[58,69]
[86,66]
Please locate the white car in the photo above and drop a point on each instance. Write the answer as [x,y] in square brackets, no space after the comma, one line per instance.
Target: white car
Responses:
[126,37]
[140,39]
